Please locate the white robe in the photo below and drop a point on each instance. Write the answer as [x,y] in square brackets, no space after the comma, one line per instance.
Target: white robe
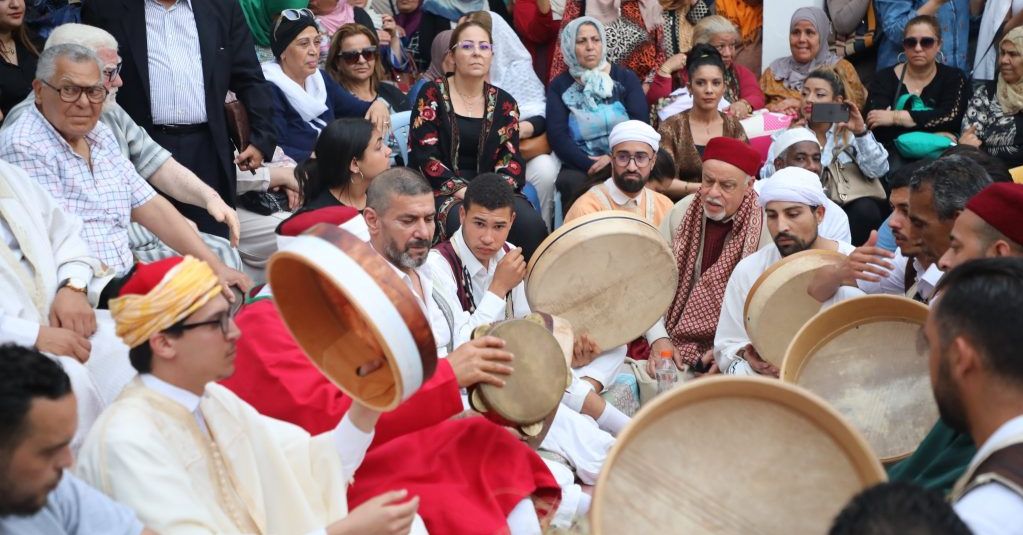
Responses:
[42,246]
[256,474]
[731,334]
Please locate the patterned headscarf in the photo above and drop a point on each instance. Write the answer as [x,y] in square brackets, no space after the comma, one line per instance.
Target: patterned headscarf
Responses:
[1010,96]
[597,84]
[787,69]
[693,316]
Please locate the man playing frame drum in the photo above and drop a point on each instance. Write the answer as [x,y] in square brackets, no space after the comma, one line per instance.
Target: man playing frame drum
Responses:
[793,201]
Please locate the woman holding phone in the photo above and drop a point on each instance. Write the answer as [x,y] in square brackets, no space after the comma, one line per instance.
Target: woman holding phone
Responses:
[847,139]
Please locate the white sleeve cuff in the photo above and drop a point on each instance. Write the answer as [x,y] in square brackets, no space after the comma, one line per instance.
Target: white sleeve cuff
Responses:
[490,308]
[351,444]
[75,270]
[15,330]
[656,332]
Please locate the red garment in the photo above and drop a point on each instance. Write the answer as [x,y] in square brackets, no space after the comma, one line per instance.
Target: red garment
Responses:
[468,473]
[714,235]
[749,86]
[538,33]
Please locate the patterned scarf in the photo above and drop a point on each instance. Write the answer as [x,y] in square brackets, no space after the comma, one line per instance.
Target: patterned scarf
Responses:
[693,316]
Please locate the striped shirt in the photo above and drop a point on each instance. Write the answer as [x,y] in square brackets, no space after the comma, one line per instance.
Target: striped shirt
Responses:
[103,196]
[177,91]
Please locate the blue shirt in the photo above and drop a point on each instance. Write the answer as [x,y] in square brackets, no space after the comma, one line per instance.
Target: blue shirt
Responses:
[953,16]
[74,508]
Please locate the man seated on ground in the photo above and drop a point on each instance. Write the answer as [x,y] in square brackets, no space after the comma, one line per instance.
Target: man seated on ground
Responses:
[799,147]
[187,454]
[37,494]
[793,201]
[973,336]
[494,470]
[63,147]
[633,153]
[709,233]
[50,283]
[151,161]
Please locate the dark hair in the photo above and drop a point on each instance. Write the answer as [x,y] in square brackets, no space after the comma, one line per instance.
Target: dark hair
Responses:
[339,143]
[457,32]
[664,167]
[396,181]
[980,302]
[702,55]
[141,356]
[898,508]
[333,62]
[954,180]
[995,167]
[902,177]
[491,191]
[929,20]
[25,374]
[833,78]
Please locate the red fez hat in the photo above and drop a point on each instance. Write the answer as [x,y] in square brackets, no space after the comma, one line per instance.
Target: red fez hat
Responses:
[734,152]
[1001,206]
[303,221]
[145,277]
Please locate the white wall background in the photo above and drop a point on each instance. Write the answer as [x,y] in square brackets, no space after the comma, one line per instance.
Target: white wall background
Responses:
[777,14]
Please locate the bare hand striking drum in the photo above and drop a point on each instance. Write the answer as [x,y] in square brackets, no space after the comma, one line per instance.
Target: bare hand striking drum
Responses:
[610,274]
[732,455]
[777,305]
[352,315]
[534,389]
[860,355]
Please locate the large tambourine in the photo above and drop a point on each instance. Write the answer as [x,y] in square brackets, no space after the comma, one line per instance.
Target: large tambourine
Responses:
[353,316]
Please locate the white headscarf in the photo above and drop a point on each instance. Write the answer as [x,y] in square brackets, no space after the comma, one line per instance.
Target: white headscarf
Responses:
[596,83]
[791,137]
[793,184]
[633,130]
[310,101]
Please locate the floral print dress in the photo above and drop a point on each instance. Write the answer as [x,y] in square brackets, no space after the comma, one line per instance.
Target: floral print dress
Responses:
[1001,134]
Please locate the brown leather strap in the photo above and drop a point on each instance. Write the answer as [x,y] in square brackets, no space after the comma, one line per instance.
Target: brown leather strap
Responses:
[1004,466]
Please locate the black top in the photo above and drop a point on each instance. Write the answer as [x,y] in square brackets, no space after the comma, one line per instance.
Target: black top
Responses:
[397,100]
[946,95]
[16,80]
[469,130]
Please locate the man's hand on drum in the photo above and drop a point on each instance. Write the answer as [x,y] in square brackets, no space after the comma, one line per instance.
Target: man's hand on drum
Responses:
[509,273]
[584,350]
[386,514]
[759,365]
[482,360]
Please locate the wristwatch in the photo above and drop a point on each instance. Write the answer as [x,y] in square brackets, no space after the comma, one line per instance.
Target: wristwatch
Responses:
[74,284]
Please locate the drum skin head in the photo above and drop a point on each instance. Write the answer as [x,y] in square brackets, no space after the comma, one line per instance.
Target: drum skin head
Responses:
[732,455]
[860,355]
[610,274]
[778,305]
[535,387]
[330,288]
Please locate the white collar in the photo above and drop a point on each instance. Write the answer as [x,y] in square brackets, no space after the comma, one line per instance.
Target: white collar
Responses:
[469,260]
[927,281]
[183,397]
[618,196]
[1001,436]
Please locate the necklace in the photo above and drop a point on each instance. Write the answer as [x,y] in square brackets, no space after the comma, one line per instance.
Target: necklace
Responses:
[470,104]
[9,52]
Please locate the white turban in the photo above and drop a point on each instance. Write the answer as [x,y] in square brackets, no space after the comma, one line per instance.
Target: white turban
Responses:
[791,137]
[793,184]
[634,131]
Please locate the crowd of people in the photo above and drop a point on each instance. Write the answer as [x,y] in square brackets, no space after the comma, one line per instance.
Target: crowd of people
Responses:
[155,154]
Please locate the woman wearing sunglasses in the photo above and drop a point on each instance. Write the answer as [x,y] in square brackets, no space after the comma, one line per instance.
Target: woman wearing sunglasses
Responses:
[306,98]
[942,90]
[462,126]
[354,62]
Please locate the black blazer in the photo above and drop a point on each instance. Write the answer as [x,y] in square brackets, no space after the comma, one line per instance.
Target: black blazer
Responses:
[228,63]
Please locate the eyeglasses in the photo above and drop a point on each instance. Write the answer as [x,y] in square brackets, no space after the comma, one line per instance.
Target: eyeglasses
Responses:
[924,42]
[71,93]
[351,57]
[223,321]
[470,46]
[292,15]
[642,159]
[112,72]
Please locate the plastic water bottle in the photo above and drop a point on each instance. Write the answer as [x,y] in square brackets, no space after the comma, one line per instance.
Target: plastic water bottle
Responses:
[666,372]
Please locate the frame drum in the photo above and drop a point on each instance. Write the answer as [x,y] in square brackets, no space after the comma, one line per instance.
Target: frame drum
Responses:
[610,274]
[777,305]
[861,356]
[347,308]
[533,391]
[732,455]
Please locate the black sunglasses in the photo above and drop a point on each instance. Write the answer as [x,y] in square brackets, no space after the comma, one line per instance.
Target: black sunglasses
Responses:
[352,56]
[924,42]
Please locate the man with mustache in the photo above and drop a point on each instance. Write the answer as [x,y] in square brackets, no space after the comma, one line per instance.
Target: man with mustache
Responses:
[633,151]
[709,233]
[972,338]
[793,200]
[188,454]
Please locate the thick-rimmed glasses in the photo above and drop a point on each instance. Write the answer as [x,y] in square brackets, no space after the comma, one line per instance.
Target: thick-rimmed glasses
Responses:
[642,159]
[111,72]
[223,320]
[71,93]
